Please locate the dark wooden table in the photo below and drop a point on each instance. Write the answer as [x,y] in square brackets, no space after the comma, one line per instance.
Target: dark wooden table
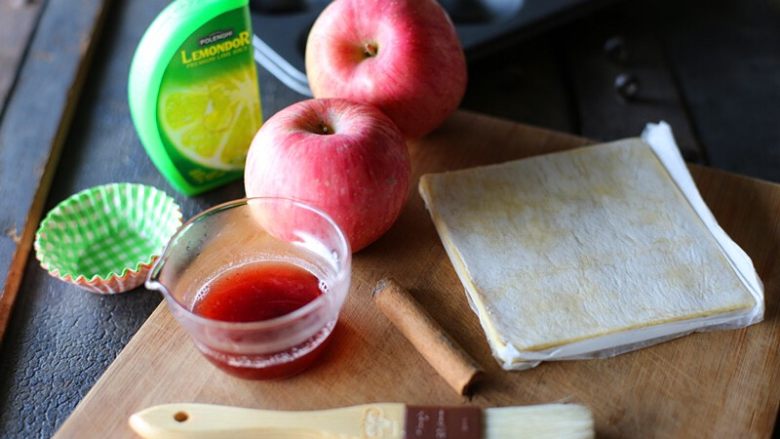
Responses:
[710,68]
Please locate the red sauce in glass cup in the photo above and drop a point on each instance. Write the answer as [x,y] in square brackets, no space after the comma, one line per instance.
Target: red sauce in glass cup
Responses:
[258,292]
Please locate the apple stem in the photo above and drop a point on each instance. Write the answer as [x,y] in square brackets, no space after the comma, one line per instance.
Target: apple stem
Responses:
[325,129]
[370,49]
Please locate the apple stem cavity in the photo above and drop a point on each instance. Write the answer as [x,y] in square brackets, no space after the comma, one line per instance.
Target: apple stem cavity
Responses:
[325,129]
[370,49]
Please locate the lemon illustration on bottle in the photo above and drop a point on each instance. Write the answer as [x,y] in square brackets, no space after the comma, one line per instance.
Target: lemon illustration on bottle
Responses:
[193,92]
[212,122]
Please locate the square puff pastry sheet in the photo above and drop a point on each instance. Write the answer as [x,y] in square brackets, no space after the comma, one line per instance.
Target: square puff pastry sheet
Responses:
[585,253]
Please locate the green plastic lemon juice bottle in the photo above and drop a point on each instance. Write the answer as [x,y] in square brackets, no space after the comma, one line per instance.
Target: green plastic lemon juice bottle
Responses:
[193,92]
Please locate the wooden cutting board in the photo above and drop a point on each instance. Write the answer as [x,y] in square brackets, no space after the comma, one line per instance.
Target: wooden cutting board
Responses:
[721,384]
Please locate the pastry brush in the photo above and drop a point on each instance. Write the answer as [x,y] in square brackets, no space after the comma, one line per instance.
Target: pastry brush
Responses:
[385,420]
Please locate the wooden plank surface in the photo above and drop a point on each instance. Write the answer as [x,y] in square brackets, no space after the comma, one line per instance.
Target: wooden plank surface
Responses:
[720,384]
[619,43]
[17,22]
[725,56]
[34,128]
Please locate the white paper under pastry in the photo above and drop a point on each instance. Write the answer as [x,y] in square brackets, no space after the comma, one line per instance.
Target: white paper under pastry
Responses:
[589,322]
[659,137]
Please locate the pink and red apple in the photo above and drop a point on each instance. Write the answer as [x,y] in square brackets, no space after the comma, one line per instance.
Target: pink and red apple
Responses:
[347,159]
[402,56]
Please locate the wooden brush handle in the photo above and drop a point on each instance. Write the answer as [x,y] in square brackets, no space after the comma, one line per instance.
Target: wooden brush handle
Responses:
[204,421]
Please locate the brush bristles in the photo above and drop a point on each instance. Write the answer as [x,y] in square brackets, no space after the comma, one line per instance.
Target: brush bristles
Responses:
[554,421]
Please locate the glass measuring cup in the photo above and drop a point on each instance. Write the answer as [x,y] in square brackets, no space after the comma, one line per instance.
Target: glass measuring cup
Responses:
[248,232]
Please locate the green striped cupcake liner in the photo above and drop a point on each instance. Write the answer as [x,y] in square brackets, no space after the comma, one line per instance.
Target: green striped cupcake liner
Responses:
[105,239]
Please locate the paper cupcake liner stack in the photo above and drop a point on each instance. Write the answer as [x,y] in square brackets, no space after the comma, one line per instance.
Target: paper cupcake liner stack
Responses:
[105,239]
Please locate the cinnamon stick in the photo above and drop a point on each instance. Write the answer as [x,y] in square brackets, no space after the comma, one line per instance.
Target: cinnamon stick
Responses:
[427,336]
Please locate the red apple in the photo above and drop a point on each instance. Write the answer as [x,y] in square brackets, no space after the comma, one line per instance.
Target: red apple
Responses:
[347,159]
[402,56]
